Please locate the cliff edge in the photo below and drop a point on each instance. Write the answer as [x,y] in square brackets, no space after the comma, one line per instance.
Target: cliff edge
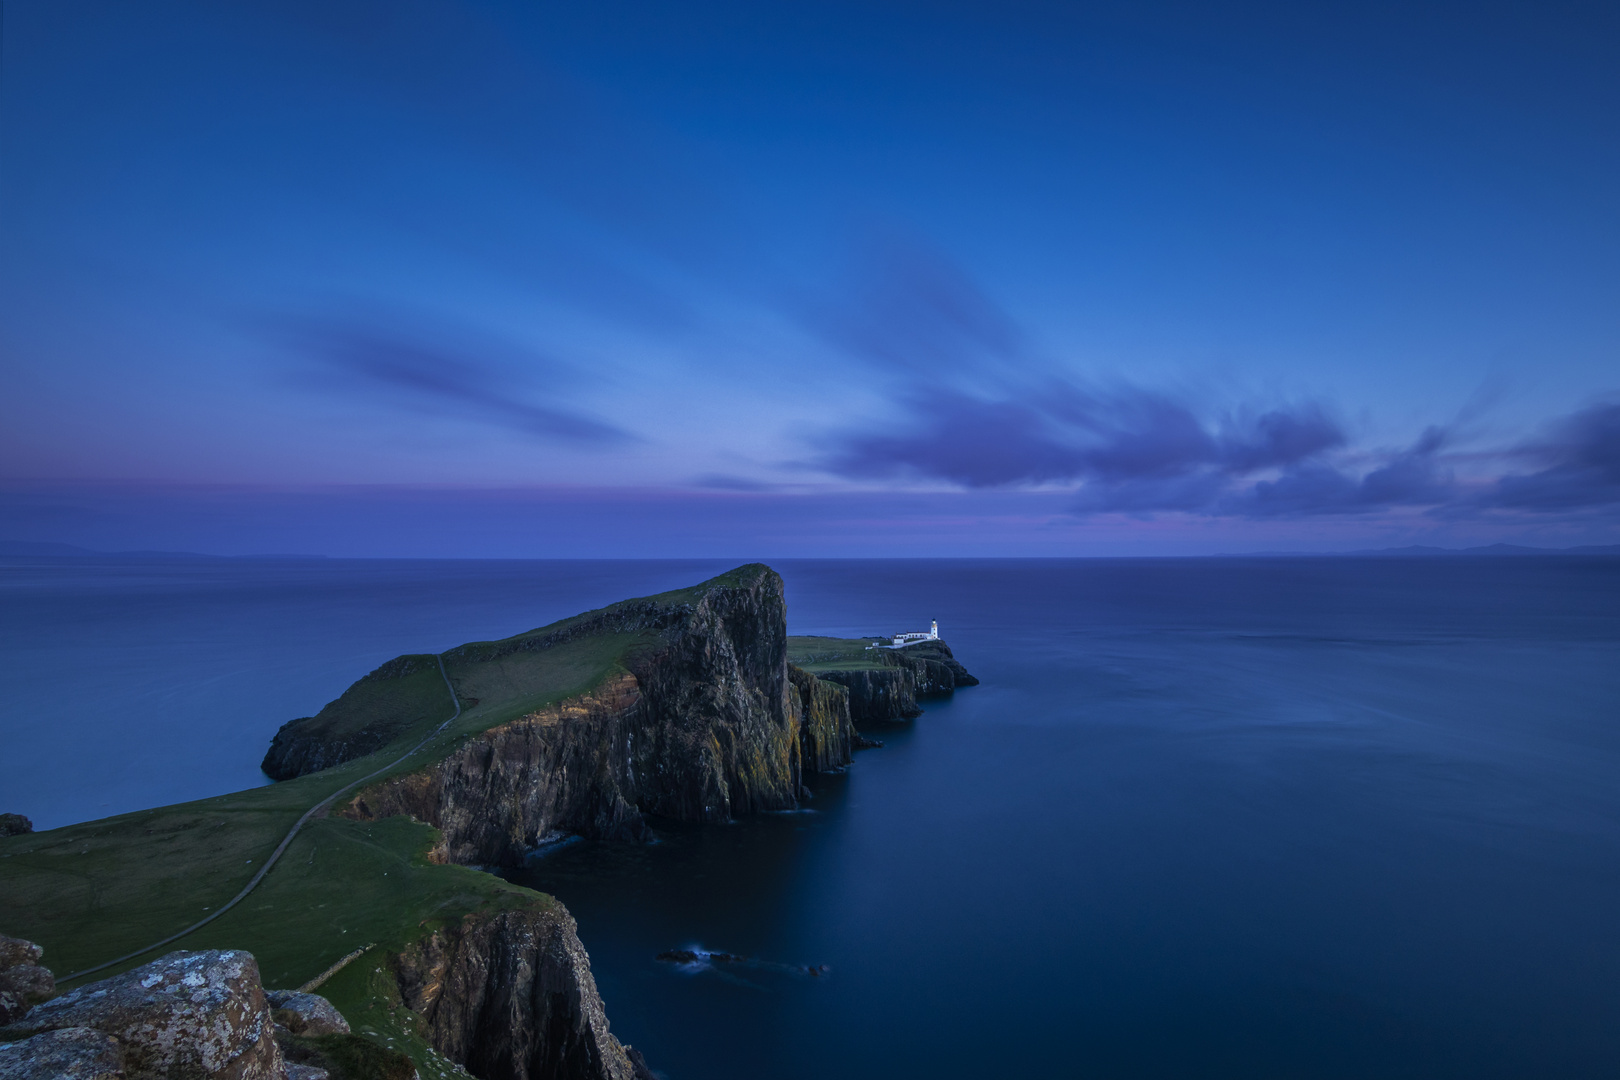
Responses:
[883,684]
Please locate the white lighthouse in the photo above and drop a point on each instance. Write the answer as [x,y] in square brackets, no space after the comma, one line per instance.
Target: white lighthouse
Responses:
[902,640]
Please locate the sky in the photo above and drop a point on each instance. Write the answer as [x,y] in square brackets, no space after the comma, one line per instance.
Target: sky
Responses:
[412,278]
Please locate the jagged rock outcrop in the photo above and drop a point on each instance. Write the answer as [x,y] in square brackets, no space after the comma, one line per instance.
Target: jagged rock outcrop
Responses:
[24,983]
[704,724]
[510,996]
[186,1015]
[891,692]
[15,825]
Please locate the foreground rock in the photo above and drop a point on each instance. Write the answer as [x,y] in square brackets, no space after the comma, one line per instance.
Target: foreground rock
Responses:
[186,1015]
[71,1053]
[23,982]
[511,997]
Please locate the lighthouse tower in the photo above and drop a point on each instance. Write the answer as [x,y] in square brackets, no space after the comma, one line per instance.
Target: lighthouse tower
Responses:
[933,630]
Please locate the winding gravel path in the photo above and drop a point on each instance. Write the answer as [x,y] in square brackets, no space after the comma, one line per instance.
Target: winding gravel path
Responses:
[281,847]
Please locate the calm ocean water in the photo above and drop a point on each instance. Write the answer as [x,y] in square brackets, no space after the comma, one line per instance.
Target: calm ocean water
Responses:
[1223,817]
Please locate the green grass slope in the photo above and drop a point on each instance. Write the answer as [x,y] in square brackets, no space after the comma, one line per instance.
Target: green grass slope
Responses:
[815,654]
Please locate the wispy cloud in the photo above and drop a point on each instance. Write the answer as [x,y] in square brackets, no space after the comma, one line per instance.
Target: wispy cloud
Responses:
[906,308]
[449,379]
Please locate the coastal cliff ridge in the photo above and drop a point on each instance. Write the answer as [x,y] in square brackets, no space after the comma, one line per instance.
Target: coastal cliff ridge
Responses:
[690,705]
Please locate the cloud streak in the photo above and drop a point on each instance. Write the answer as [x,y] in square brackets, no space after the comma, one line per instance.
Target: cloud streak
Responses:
[452,381]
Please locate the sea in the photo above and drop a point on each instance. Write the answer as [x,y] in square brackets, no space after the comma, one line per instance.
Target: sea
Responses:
[1223,817]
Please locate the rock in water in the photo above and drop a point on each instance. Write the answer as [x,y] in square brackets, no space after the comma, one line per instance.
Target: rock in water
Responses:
[187,1015]
[23,982]
[305,1014]
[72,1053]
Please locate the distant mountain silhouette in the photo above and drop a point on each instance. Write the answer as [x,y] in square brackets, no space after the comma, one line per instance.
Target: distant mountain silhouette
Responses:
[1425,551]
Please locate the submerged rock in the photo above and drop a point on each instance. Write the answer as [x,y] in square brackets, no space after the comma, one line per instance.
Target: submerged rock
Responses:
[185,1015]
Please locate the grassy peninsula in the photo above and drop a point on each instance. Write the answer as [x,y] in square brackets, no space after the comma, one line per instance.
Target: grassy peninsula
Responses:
[691,705]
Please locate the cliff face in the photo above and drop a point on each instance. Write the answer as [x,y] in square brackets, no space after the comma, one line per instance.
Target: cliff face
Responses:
[704,724]
[891,692]
[826,735]
[510,996]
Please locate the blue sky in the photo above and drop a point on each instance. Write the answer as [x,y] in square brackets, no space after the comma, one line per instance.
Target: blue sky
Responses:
[439,279]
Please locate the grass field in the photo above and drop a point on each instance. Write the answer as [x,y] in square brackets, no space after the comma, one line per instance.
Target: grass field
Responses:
[836,654]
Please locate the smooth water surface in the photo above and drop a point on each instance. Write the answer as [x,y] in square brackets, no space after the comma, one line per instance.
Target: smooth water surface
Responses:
[1259,818]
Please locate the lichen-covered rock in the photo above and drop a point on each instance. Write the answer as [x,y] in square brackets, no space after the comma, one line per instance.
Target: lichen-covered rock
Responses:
[72,1053]
[15,825]
[185,1016]
[305,1014]
[511,997]
[23,982]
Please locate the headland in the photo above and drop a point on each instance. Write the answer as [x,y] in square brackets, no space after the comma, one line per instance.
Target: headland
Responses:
[692,706]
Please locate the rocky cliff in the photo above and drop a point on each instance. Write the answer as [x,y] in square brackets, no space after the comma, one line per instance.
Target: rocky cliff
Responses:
[889,682]
[510,996]
[699,721]
[826,735]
